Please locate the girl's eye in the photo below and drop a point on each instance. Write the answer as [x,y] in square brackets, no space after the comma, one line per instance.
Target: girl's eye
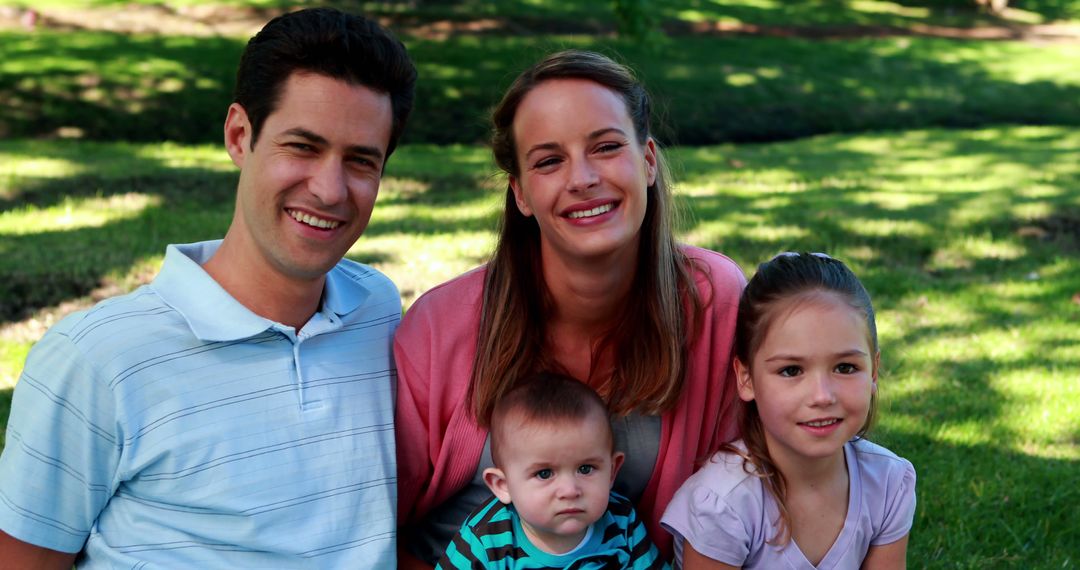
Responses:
[846,368]
[544,474]
[586,469]
[789,371]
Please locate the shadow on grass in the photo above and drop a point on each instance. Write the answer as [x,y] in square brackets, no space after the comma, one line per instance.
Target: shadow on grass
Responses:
[103,86]
[980,500]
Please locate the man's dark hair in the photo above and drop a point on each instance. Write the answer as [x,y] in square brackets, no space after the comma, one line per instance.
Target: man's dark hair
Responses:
[328,42]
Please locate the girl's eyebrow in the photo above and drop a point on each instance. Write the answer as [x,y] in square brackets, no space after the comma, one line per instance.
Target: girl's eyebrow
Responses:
[855,352]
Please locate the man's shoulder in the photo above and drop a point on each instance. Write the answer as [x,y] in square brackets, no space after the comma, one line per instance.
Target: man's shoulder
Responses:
[365,277]
[123,315]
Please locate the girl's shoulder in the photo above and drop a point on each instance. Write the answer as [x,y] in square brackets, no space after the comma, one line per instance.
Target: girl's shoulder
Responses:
[881,470]
[725,474]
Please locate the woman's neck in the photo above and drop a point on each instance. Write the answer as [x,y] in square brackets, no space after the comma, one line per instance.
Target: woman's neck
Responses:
[588,298]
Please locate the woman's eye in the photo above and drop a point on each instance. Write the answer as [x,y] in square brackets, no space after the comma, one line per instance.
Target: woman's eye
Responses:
[546,163]
[609,147]
[846,368]
[544,474]
[790,371]
[586,469]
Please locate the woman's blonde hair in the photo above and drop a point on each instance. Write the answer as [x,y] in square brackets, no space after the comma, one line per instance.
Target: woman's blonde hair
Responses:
[650,340]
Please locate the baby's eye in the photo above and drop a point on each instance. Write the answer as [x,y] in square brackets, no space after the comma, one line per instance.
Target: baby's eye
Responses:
[544,474]
[586,469]
[790,371]
[846,368]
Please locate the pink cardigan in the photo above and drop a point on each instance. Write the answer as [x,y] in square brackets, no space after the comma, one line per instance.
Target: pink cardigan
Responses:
[439,446]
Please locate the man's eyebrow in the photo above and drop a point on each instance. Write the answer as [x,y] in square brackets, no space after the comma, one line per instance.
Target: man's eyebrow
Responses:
[319,139]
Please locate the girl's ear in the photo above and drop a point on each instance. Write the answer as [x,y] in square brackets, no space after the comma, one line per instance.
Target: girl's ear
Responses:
[495,479]
[743,380]
[873,375]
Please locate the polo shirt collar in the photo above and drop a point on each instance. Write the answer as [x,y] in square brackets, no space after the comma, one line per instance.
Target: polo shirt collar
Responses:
[209,310]
[214,315]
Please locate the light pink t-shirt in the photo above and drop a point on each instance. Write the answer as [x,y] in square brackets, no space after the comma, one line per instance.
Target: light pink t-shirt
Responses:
[727,514]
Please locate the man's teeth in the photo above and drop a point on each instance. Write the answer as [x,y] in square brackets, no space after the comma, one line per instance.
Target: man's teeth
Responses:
[590,213]
[822,423]
[313,221]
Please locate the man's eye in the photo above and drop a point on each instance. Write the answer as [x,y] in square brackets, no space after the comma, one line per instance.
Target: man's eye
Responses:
[544,474]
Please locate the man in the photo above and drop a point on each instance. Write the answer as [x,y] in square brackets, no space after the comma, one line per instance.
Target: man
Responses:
[237,411]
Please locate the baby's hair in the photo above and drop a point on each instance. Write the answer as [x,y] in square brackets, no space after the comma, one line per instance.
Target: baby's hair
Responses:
[780,283]
[545,398]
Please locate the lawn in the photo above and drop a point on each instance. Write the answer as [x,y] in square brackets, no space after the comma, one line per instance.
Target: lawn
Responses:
[967,239]
[945,171]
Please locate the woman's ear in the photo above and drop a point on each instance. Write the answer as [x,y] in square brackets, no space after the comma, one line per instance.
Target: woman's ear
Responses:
[519,197]
[743,380]
[650,161]
[495,479]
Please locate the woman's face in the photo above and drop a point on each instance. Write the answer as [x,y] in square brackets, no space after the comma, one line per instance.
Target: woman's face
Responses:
[582,173]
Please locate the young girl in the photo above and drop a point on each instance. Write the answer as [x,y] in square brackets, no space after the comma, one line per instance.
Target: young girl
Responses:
[802,489]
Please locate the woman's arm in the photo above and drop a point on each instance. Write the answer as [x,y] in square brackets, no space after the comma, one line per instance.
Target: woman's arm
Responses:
[892,556]
[694,560]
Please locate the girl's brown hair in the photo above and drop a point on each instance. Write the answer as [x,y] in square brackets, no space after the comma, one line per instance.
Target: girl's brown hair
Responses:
[783,278]
[650,340]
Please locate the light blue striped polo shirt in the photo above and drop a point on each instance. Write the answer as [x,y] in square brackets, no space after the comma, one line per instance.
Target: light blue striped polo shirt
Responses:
[174,428]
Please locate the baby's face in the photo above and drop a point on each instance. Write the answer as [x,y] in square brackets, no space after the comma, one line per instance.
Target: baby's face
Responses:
[559,477]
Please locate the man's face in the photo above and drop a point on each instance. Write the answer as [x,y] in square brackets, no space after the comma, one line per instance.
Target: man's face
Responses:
[308,185]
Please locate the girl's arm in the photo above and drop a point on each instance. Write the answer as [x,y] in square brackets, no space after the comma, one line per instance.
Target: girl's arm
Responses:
[694,560]
[892,556]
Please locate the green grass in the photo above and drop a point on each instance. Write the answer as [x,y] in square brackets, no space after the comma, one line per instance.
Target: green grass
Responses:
[784,12]
[108,86]
[968,241]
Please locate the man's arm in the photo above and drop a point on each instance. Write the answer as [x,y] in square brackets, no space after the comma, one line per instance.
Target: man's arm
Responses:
[18,554]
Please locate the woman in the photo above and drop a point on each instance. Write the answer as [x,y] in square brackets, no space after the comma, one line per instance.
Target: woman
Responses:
[586,280]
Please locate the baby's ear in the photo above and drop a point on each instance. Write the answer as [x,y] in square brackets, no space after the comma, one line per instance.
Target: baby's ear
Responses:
[617,459]
[742,380]
[495,479]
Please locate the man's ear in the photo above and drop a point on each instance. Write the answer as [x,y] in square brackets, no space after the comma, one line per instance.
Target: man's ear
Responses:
[237,134]
[495,479]
[519,197]
[617,460]
[743,380]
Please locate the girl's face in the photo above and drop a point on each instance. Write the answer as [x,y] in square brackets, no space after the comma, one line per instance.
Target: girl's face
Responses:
[582,173]
[812,378]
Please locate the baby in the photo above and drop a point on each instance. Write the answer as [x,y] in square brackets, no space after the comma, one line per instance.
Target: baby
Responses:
[555,462]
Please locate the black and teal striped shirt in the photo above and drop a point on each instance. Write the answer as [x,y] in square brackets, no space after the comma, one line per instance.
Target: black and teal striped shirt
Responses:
[492,537]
